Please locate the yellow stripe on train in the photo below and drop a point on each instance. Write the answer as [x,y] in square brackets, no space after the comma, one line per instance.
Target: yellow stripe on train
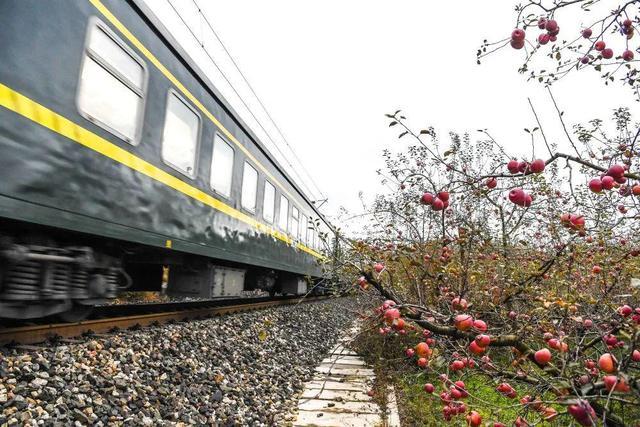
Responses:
[47,118]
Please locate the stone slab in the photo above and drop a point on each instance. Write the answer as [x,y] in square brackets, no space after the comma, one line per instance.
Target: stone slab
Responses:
[341,350]
[344,395]
[347,372]
[338,407]
[342,361]
[311,418]
[336,385]
[393,418]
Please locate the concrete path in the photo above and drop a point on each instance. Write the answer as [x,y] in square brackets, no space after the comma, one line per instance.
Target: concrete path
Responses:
[337,395]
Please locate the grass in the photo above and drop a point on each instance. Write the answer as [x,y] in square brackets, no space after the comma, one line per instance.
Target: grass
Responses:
[418,408]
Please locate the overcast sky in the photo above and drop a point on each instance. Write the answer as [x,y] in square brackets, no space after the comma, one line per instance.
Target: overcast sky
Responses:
[328,71]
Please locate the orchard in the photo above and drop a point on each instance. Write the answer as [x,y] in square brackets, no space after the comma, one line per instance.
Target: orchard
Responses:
[518,269]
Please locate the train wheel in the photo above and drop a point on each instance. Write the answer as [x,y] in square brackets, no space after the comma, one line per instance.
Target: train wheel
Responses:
[76,313]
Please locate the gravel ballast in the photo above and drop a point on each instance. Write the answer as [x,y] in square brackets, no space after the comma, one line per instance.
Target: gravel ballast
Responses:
[240,369]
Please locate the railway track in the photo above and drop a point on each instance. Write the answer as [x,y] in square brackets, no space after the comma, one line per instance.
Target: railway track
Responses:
[115,317]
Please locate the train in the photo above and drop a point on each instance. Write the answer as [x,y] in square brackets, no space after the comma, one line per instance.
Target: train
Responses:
[119,159]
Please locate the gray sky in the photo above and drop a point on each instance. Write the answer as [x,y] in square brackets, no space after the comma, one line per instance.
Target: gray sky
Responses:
[328,71]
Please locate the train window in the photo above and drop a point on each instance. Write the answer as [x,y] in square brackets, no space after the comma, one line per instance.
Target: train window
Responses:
[307,230]
[180,136]
[293,224]
[112,84]
[269,202]
[284,213]
[222,166]
[249,187]
[302,232]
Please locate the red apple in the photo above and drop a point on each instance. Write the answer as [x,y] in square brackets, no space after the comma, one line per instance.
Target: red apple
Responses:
[544,38]
[608,182]
[607,363]
[391,314]
[542,356]
[378,267]
[518,35]
[423,350]
[627,55]
[474,419]
[537,166]
[595,185]
[463,322]
[586,33]
[616,171]
[517,196]
[600,45]
[517,44]
[551,25]
[625,310]
[512,166]
[480,325]
[437,204]
[456,365]
[476,349]
[611,382]
[583,413]
[491,182]
[483,340]
[444,196]
[429,388]
[426,199]
[422,362]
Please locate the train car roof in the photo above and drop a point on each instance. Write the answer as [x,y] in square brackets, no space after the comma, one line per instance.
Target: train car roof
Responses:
[200,75]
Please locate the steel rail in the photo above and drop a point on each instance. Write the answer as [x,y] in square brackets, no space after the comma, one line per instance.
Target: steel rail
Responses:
[33,334]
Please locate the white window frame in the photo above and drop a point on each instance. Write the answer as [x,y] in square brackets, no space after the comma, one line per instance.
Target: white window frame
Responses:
[255,198]
[284,227]
[218,137]
[89,54]
[264,202]
[302,229]
[296,218]
[198,135]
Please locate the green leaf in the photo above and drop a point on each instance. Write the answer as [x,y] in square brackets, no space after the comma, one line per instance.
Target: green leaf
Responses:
[393,123]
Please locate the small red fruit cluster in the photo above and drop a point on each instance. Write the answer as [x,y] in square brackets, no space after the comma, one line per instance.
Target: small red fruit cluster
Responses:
[422,351]
[614,175]
[572,221]
[547,412]
[519,197]
[392,319]
[506,390]
[536,166]
[517,38]
[437,202]
[452,402]
[552,30]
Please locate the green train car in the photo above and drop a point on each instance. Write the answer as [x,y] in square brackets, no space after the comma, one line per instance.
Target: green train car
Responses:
[118,156]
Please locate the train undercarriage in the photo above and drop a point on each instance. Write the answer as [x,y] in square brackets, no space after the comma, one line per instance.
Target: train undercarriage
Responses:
[43,274]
